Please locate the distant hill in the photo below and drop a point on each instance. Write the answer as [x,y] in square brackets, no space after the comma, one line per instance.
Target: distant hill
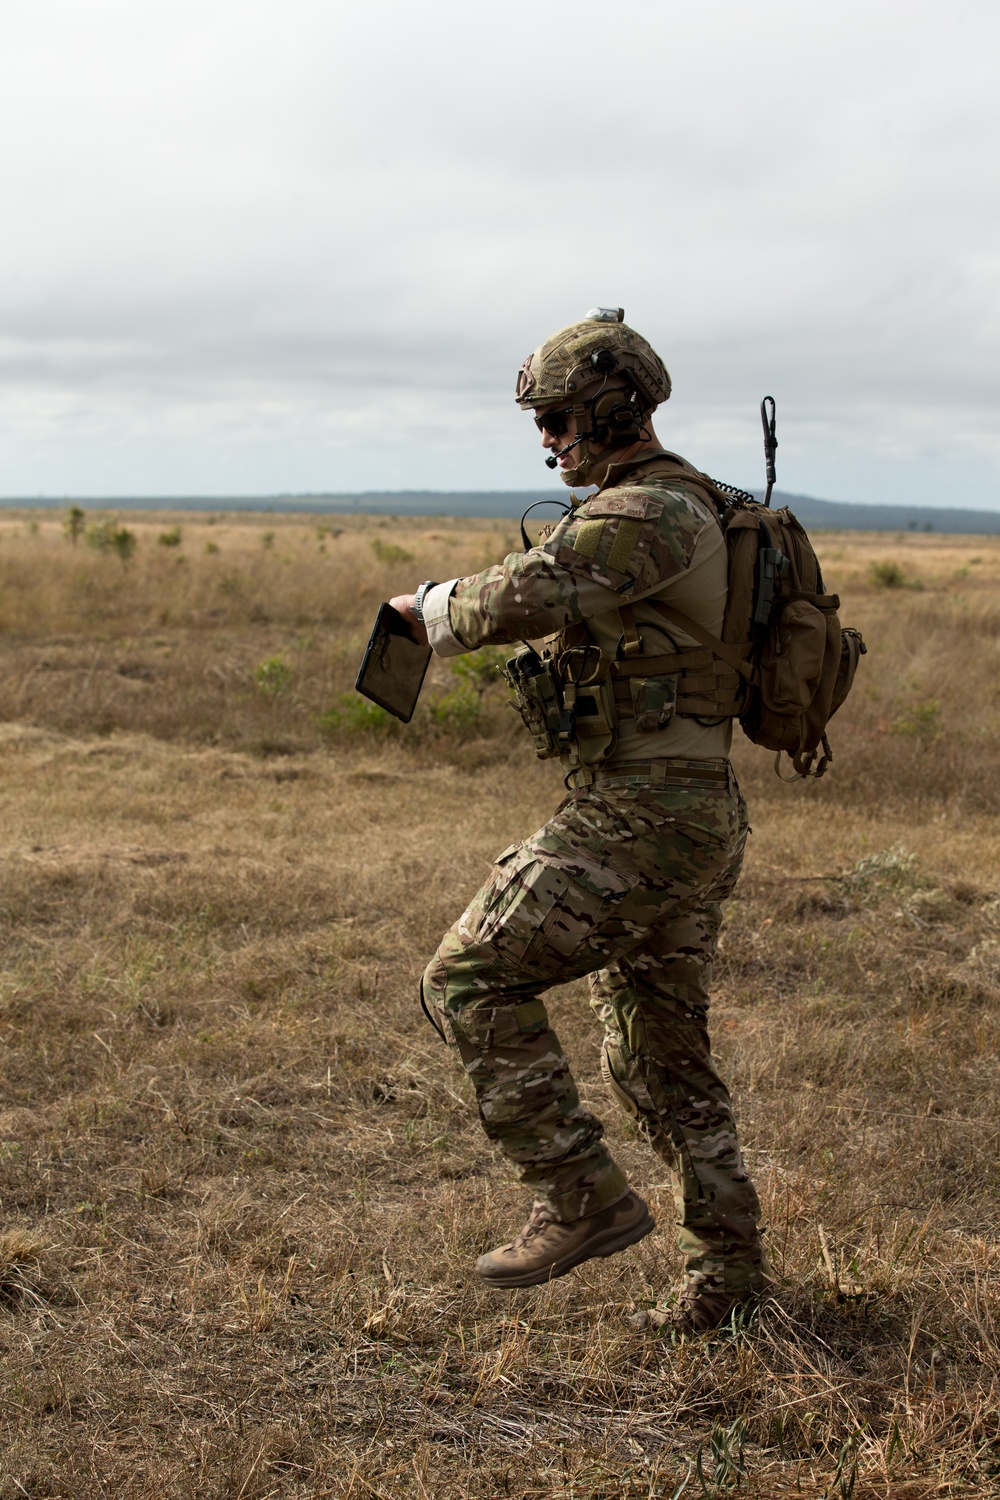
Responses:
[833,515]
[838,515]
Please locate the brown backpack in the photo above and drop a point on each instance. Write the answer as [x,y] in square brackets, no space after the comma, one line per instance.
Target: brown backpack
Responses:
[781,632]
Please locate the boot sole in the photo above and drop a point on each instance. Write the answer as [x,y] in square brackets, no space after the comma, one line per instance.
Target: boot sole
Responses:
[609,1242]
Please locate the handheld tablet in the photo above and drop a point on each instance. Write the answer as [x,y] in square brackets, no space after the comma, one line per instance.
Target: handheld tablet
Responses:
[394,664]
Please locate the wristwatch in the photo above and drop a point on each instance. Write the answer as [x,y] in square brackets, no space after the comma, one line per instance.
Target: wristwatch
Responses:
[418,603]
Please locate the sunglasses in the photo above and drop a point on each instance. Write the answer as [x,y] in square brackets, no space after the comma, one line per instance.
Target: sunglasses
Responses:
[554,422]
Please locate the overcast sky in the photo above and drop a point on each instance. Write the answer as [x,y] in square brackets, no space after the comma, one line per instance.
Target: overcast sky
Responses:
[257,247]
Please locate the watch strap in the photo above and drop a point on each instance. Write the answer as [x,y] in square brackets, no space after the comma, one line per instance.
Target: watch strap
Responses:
[418,603]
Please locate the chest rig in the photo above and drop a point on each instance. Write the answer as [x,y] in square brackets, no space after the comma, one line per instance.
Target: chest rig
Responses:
[573,696]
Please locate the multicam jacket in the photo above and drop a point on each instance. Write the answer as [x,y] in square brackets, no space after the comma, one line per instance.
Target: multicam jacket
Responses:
[645,534]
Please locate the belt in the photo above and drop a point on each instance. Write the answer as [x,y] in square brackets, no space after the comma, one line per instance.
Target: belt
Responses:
[664,772]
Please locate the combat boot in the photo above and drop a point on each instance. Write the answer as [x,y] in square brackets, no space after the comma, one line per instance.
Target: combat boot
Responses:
[702,1307]
[726,1279]
[546,1248]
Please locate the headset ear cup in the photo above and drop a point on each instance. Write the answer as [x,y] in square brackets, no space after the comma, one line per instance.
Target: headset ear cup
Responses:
[617,422]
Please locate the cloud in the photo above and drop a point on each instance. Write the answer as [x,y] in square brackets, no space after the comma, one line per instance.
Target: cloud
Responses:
[253,248]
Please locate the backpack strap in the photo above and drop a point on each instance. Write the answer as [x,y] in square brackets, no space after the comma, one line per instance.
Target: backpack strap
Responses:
[711,681]
[631,640]
[737,657]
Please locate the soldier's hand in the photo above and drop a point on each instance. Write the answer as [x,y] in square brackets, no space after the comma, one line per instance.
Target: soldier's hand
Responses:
[403,604]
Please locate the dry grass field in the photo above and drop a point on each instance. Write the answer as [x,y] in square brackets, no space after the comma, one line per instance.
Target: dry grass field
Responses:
[242,1186]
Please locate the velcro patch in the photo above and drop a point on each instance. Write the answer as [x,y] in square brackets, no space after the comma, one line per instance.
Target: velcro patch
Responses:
[531,1015]
[632,503]
[588,538]
[627,535]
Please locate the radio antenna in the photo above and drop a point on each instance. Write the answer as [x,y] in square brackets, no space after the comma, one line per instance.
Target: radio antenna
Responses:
[770,442]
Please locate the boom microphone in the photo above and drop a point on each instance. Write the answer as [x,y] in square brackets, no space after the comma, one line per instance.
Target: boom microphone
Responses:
[554,458]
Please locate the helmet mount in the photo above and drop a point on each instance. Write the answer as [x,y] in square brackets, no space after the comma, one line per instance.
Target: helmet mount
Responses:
[604,361]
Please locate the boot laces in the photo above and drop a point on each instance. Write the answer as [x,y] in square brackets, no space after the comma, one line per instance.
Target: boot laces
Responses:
[538,1221]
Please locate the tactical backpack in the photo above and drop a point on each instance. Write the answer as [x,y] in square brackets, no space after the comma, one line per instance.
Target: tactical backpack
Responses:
[781,632]
[781,635]
[783,665]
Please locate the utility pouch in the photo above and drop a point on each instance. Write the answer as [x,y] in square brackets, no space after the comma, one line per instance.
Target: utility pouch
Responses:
[533,681]
[587,689]
[654,702]
[852,649]
[798,650]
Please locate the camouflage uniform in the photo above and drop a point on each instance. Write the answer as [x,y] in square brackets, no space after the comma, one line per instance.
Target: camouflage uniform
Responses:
[623,884]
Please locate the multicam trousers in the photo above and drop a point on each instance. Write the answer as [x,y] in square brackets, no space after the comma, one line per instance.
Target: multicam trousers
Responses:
[623,884]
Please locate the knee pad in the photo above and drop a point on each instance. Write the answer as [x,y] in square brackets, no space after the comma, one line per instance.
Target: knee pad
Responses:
[439,1023]
[615,1074]
[627,1089]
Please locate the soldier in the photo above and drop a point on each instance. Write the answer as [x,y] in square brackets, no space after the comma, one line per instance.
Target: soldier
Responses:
[625,882]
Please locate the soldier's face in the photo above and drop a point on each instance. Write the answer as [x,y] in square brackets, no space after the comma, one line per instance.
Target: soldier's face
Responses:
[564,421]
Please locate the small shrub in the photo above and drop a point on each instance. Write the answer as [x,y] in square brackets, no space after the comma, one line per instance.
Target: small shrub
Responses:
[169,538]
[108,536]
[886,575]
[461,711]
[388,552]
[273,676]
[123,544]
[921,719]
[481,669]
[73,525]
[267,539]
[98,535]
[211,548]
[890,868]
[458,711]
[354,714]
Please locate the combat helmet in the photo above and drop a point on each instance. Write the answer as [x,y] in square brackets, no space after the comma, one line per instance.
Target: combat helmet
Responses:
[606,372]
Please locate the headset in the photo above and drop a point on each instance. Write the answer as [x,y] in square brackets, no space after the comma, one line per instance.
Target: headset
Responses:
[617,418]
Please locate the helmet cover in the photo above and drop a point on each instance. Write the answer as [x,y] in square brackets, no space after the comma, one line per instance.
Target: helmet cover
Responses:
[563,366]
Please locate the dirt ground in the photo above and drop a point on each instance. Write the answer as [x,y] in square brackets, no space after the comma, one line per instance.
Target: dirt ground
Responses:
[242,1183]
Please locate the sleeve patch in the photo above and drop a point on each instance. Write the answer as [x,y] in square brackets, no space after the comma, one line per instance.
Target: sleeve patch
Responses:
[588,538]
[627,535]
[633,503]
